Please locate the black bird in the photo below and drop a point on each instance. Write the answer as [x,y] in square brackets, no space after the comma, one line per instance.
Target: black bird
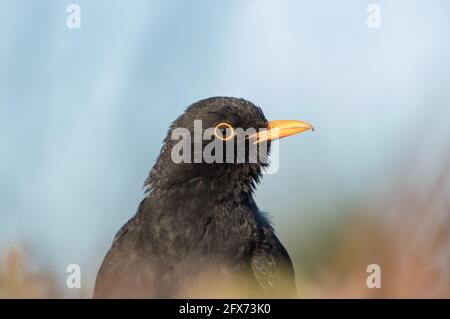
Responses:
[198,231]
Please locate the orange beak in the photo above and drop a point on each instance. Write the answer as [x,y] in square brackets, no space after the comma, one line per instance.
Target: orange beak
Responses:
[281,128]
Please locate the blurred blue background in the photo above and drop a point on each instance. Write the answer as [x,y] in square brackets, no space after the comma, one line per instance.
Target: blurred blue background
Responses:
[83,111]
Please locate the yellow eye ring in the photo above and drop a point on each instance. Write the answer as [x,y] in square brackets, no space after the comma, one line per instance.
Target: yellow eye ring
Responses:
[220,135]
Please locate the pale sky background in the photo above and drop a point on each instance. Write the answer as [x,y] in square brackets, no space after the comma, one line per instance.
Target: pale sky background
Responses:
[83,112]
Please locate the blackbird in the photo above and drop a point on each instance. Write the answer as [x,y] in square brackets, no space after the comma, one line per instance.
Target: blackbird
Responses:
[198,231]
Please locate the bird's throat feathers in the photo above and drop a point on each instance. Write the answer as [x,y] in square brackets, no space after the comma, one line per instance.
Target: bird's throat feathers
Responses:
[219,183]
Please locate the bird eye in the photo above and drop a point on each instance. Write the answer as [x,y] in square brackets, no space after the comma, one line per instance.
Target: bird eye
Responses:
[224,131]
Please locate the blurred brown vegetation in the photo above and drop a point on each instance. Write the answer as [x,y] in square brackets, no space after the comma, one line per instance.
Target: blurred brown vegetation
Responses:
[19,279]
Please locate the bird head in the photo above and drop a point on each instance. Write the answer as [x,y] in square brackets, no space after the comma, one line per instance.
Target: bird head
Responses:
[216,142]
